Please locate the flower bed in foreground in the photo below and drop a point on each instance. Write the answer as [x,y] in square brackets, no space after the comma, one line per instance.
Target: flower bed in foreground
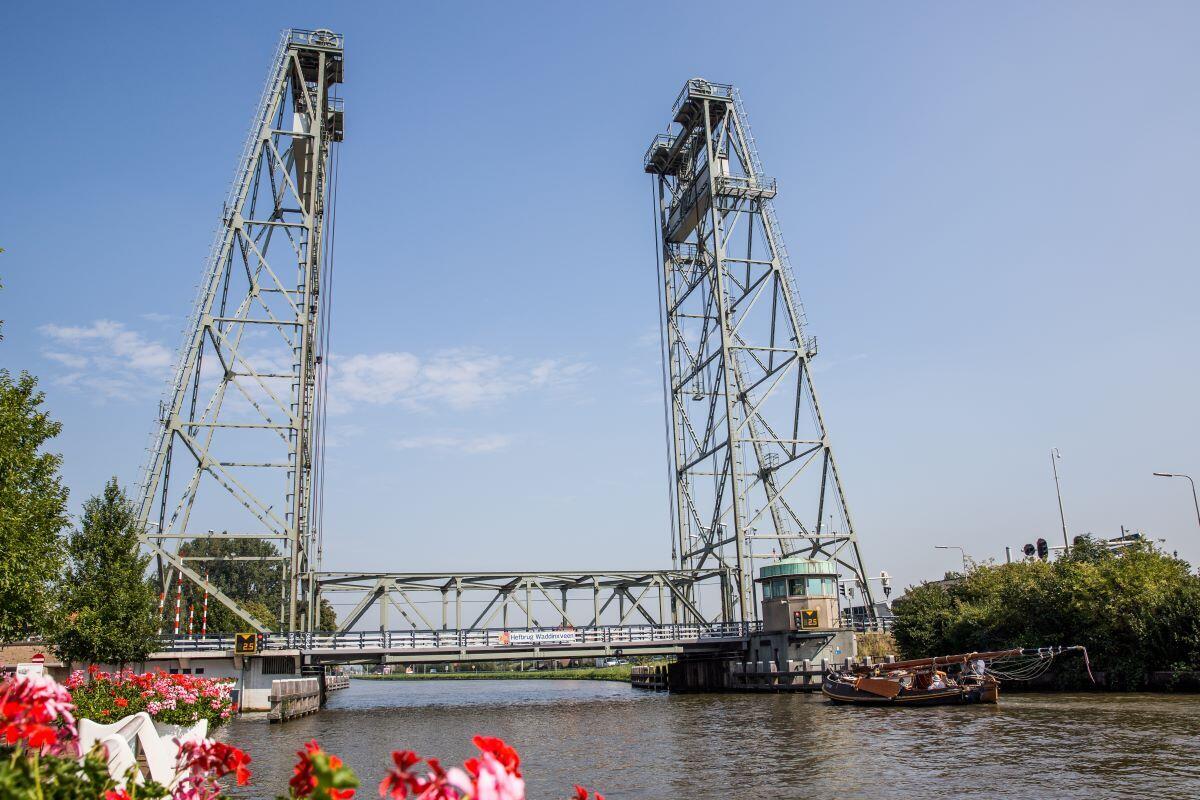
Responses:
[168,698]
[40,759]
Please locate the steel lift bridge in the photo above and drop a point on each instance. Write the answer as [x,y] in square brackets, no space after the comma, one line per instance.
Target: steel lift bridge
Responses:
[236,457]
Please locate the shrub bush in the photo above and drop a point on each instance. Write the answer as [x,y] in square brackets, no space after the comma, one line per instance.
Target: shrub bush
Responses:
[1136,611]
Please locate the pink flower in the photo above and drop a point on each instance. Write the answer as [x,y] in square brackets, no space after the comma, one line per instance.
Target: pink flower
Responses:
[37,710]
[488,780]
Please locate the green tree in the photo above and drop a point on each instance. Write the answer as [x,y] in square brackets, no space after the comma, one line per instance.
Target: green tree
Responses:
[33,507]
[255,585]
[106,610]
[1136,611]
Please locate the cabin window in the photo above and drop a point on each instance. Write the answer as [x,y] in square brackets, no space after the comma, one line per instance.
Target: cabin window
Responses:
[779,588]
[821,586]
[796,586]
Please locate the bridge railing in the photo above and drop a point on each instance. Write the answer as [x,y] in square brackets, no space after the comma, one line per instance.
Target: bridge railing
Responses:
[494,638]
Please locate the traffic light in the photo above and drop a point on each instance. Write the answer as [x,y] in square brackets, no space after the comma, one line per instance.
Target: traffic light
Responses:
[886,581]
[1028,550]
[841,588]
[1043,549]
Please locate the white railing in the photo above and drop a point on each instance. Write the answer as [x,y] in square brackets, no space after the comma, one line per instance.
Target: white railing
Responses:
[494,638]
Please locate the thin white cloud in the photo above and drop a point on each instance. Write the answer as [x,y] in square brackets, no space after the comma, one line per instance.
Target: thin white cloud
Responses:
[107,339]
[155,316]
[67,359]
[458,379]
[106,358]
[650,338]
[340,435]
[825,365]
[469,445]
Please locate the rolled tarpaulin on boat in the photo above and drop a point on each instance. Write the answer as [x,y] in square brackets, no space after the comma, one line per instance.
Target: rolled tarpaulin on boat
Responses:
[878,686]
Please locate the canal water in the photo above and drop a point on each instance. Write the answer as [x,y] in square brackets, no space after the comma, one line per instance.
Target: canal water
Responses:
[634,744]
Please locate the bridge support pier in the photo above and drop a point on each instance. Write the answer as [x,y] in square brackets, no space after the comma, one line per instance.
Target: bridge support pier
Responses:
[773,661]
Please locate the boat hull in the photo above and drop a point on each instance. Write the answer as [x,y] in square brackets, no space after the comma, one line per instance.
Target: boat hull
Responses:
[839,692]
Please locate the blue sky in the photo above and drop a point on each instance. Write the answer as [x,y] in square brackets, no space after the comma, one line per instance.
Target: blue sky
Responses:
[992,211]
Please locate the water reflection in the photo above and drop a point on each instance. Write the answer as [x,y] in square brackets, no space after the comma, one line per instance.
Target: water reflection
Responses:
[635,744]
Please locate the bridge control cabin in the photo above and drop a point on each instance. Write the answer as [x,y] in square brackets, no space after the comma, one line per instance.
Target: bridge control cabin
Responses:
[799,594]
[801,616]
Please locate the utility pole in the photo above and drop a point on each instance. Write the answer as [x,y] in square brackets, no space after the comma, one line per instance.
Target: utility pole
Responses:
[1055,457]
[1195,501]
[959,549]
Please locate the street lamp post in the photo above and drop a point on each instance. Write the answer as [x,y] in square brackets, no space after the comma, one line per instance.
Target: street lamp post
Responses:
[1192,482]
[1055,457]
[954,547]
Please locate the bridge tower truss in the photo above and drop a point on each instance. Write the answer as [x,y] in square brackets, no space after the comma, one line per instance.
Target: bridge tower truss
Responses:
[236,451]
[753,471]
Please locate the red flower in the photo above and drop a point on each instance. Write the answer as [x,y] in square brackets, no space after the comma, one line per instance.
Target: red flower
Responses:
[400,778]
[502,752]
[40,735]
[435,785]
[117,794]
[303,780]
[121,702]
[582,794]
[209,760]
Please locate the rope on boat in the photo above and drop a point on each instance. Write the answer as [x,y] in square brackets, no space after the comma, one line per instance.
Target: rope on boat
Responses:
[1032,664]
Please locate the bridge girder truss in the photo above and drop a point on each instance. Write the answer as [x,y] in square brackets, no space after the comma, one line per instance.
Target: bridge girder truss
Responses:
[751,458]
[653,597]
[238,440]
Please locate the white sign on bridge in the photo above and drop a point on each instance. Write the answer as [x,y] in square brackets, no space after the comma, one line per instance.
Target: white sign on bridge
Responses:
[537,637]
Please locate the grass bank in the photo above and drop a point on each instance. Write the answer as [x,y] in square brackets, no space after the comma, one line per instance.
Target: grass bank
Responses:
[619,673]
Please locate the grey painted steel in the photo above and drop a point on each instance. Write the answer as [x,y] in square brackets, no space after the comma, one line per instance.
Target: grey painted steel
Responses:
[655,597]
[492,644]
[750,455]
[238,439]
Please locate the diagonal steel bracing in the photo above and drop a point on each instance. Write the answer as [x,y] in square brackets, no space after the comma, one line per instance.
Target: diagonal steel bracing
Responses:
[238,441]
[472,601]
[750,454]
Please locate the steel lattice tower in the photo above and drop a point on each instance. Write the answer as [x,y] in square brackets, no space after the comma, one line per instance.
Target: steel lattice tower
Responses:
[236,451]
[751,462]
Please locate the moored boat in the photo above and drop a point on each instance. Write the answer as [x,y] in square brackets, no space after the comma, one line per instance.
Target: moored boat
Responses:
[962,679]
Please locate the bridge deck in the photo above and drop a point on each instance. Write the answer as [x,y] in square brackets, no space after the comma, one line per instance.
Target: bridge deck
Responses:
[415,646]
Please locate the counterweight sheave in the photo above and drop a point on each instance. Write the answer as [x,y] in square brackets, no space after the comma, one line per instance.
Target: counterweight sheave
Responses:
[753,471]
[237,449]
